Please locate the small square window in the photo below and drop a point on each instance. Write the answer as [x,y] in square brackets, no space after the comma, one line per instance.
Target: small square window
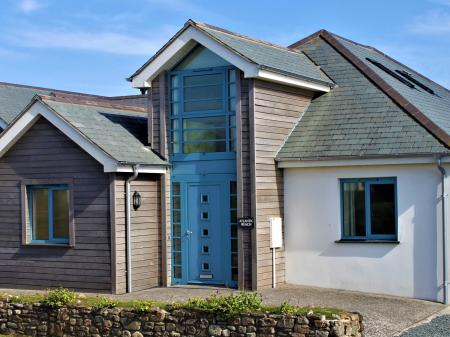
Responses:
[204,216]
[48,215]
[369,209]
[205,266]
[205,232]
[204,199]
[205,249]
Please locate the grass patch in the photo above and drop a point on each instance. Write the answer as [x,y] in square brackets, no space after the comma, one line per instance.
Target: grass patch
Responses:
[227,306]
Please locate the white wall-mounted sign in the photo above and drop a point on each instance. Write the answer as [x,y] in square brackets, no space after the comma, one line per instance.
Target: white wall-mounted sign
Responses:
[276,233]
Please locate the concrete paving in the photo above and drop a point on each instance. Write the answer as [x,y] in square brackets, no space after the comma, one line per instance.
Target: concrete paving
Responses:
[384,316]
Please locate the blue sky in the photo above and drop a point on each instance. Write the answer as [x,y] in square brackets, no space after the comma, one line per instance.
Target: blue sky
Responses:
[93,45]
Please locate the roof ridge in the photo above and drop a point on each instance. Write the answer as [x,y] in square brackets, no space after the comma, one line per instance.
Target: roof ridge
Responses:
[388,90]
[126,96]
[49,89]
[105,103]
[242,36]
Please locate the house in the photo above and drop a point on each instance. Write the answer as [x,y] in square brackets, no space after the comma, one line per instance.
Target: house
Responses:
[345,147]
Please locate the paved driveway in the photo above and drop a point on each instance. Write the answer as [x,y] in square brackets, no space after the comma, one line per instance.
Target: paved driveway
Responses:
[384,316]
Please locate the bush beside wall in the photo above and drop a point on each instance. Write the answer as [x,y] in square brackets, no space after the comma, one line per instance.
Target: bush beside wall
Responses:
[40,320]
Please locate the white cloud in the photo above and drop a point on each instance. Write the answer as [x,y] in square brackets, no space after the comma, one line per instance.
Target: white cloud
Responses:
[107,42]
[435,22]
[28,6]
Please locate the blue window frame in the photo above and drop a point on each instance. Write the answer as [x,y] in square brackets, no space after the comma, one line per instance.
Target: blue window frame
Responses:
[202,110]
[369,209]
[49,213]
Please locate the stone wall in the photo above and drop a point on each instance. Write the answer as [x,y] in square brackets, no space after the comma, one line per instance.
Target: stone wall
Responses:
[37,320]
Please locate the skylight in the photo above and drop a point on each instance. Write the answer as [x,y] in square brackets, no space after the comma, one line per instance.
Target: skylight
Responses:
[390,72]
[416,82]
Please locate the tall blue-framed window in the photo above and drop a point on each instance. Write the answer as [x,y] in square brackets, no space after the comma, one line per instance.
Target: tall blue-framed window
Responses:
[49,213]
[202,110]
[177,257]
[369,209]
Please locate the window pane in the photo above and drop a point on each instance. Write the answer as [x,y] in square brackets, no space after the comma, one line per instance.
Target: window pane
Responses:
[203,105]
[354,209]
[40,214]
[174,81]
[382,209]
[232,74]
[205,147]
[61,214]
[175,95]
[176,230]
[204,123]
[232,90]
[176,216]
[176,188]
[203,79]
[212,134]
[177,272]
[203,92]
[174,109]
[176,202]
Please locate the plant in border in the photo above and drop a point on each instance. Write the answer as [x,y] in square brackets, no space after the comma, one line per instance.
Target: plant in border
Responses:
[227,306]
[105,303]
[59,297]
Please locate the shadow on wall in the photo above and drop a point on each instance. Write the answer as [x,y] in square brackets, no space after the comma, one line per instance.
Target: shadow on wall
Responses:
[427,284]
[376,250]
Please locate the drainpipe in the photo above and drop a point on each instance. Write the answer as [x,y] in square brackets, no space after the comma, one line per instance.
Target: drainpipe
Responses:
[444,229]
[128,223]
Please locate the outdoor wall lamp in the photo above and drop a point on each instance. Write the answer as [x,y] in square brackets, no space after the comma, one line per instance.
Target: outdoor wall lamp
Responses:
[136,200]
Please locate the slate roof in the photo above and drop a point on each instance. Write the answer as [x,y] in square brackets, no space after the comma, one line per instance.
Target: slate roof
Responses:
[268,56]
[120,131]
[14,98]
[357,118]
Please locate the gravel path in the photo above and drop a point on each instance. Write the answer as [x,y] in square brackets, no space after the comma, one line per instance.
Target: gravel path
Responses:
[438,327]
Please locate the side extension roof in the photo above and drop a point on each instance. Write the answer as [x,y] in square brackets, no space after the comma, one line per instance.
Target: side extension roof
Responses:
[369,113]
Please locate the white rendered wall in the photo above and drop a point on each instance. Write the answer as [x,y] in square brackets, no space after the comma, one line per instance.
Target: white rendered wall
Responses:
[412,268]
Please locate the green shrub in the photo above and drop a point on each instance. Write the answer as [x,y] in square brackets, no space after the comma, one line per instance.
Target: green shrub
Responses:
[59,297]
[228,306]
[285,309]
[142,306]
[105,303]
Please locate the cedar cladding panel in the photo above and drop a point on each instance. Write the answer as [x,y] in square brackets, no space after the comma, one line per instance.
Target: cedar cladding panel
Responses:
[46,153]
[161,141]
[277,109]
[145,233]
[246,184]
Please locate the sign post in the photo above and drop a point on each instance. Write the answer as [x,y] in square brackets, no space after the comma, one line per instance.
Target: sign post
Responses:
[245,223]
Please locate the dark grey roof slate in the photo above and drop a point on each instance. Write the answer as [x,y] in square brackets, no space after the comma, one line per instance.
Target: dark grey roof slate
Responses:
[276,58]
[435,107]
[268,56]
[119,132]
[13,99]
[355,119]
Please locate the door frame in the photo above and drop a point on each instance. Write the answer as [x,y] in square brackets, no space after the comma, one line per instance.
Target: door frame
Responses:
[185,180]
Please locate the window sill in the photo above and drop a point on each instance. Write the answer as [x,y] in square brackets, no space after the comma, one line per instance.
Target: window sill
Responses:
[367,241]
[46,245]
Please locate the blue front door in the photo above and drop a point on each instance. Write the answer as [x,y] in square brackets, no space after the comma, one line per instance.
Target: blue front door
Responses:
[206,229]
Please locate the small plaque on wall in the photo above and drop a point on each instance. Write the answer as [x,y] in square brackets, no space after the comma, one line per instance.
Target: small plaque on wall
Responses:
[246,222]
